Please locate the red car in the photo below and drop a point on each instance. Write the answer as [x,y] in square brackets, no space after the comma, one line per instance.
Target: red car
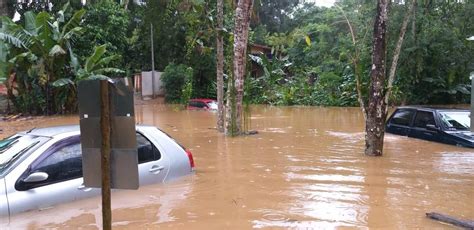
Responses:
[202,103]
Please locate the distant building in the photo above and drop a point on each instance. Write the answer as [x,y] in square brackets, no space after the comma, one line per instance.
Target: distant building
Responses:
[258,50]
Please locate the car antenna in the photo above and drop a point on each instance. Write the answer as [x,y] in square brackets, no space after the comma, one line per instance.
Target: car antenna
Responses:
[29,131]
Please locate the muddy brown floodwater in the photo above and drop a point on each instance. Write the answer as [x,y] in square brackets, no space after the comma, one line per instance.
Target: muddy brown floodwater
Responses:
[304,170]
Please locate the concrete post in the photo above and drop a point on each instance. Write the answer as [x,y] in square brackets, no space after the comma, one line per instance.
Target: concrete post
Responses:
[152,62]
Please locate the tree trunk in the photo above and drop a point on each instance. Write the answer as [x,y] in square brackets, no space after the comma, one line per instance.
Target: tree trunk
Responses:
[4,8]
[230,114]
[451,220]
[375,123]
[220,66]
[241,31]
[396,53]
[125,4]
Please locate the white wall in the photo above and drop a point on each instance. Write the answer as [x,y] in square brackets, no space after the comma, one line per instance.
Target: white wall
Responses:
[147,86]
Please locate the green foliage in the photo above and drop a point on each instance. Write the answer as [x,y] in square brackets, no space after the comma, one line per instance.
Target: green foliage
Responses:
[433,67]
[37,6]
[183,32]
[177,82]
[187,90]
[275,15]
[50,49]
[95,67]
[39,58]
[38,52]
[436,62]
[105,23]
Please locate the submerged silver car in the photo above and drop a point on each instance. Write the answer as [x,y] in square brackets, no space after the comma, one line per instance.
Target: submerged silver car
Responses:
[43,167]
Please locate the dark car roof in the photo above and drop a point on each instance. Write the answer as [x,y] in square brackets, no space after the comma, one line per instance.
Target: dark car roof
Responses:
[433,108]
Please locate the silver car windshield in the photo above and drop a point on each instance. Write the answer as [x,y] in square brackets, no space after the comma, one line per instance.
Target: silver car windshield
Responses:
[455,120]
[14,147]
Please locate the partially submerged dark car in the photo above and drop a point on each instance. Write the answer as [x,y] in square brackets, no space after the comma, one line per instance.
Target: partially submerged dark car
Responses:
[450,126]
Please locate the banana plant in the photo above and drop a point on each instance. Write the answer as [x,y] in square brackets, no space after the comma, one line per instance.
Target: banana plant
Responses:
[95,67]
[43,37]
[39,52]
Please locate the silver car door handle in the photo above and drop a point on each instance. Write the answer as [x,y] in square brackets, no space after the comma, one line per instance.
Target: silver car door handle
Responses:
[84,188]
[156,169]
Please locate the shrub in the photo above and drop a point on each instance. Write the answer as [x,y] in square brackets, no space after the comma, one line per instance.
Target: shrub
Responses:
[174,79]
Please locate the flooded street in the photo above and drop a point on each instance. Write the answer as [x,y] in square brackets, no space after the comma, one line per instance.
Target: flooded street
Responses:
[305,169]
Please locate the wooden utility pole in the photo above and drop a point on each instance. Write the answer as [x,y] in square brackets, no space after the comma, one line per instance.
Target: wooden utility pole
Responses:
[375,123]
[105,154]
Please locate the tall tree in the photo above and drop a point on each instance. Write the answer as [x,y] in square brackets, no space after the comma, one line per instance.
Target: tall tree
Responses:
[220,65]
[241,36]
[275,15]
[375,123]
[3,8]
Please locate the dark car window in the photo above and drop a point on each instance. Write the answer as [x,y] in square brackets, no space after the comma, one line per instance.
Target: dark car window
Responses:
[64,164]
[198,104]
[202,105]
[424,118]
[63,161]
[402,117]
[146,150]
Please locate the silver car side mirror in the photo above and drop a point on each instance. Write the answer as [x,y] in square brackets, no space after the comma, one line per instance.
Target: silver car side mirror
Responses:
[36,177]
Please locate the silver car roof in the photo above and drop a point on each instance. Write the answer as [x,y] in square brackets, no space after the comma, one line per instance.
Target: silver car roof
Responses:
[56,130]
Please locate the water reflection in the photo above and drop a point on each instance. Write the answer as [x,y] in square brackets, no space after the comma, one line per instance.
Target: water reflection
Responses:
[148,206]
[305,170]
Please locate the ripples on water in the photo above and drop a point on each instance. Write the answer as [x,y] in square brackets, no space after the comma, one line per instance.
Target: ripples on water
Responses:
[304,170]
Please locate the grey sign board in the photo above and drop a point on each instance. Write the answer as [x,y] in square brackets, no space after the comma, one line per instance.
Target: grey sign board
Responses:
[124,159]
